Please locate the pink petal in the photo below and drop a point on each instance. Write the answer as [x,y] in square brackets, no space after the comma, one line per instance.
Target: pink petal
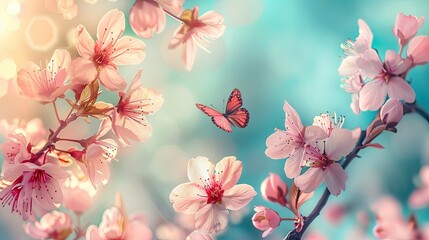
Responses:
[293,122]
[354,105]
[128,129]
[147,17]
[173,6]
[211,218]
[313,133]
[370,64]
[83,71]
[406,27]
[364,40]
[188,53]
[60,60]
[424,174]
[195,235]
[110,27]
[228,171]
[418,49]
[372,95]
[293,163]
[213,27]
[85,43]
[111,79]
[187,198]
[310,180]
[200,169]
[419,198]
[278,146]
[128,50]
[348,66]
[137,228]
[335,178]
[238,196]
[340,143]
[92,233]
[398,88]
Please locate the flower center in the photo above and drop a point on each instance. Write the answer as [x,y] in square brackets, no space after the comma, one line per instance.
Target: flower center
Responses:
[214,194]
[101,56]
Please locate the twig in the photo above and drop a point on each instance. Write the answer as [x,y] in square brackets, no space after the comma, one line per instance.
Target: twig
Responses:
[56,112]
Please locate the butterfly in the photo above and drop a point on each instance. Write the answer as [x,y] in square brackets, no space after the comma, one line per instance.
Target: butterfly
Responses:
[234,113]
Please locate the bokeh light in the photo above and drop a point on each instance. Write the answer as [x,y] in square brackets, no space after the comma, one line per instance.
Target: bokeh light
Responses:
[42,33]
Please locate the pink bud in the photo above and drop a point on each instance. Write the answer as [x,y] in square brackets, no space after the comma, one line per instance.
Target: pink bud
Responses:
[274,189]
[418,50]
[55,225]
[392,111]
[406,27]
[266,220]
[146,17]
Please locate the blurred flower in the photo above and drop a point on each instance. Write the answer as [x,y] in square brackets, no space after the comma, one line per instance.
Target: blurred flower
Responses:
[148,16]
[45,85]
[335,212]
[274,189]
[35,189]
[406,27]
[196,31]
[418,49]
[78,193]
[99,59]
[210,202]
[68,8]
[33,130]
[266,220]
[385,79]
[195,235]
[420,197]
[391,112]
[322,158]
[53,225]
[116,225]
[292,142]
[314,236]
[129,119]
[354,50]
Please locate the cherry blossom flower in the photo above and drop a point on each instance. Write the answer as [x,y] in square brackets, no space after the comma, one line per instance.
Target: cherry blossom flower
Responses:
[274,189]
[68,8]
[196,235]
[334,213]
[55,225]
[391,112]
[196,31]
[99,59]
[322,158]
[129,118]
[420,197]
[15,150]
[116,225]
[406,27]
[354,50]
[386,79]
[78,193]
[212,190]
[353,84]
[35,192]
[292,143]
[265,219]
[45,85]
[148,16]
[417,50]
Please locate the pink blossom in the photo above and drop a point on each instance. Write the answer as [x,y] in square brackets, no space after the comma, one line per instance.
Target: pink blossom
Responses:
[418,49]
[386,79]
[196,235]
[115,225]
[78,193]
[322,158]
[55,225]
[334,213]
[33,131]
[354,50]
[68,8]
[35,192]
[212,190]
[266,220]
[292,143]
[129,118]
[274,189]
[353,84]
[148,16]
[392,111]
[406,27]
[15,150]
[99,59]
[420,197]
[196,31]
[45,85]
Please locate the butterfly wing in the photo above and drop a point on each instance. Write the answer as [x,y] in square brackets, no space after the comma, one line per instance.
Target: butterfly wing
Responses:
[239,118]
[236,115]
[234,102]
[217,117]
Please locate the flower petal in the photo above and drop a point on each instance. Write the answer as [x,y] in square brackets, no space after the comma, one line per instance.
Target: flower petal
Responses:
[83,71]
[278,146]
[310,180]
[339,144]
[398,88]
[200,169]
[348,66]
[335,178]
[187,198]
[370,64]
[111,79]
[238,196]
[211,218]
[293,163]
[293,122]
[85,43]
[372,95]
[110,27]
[228,171]
[128,50]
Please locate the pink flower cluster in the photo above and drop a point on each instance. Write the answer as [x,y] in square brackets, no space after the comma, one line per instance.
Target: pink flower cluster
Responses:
[369,79]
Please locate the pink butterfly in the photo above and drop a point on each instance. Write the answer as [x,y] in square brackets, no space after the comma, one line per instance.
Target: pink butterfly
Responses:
[234,113]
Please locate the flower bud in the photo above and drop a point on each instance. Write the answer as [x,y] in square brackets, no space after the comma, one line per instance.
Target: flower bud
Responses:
[274,189]
[406,27]
[266,220]
[56,225]
[391,112]
[418,50]
[146,17]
